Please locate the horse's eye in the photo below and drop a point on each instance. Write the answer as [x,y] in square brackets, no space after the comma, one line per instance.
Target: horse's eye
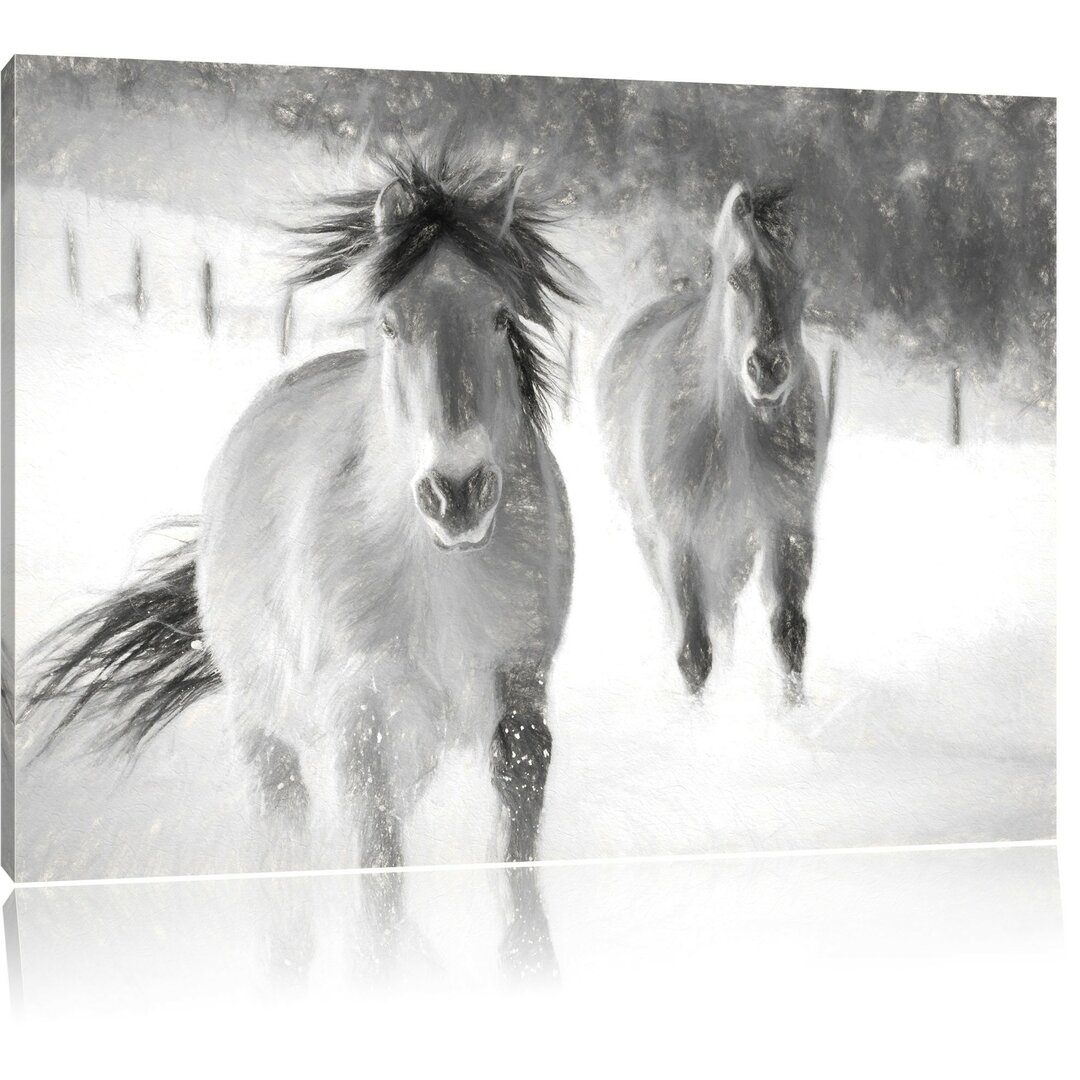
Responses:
[388,329]
[735,281]
[502,319]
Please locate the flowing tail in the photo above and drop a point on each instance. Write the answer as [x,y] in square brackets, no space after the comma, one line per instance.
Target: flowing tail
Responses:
[136,659]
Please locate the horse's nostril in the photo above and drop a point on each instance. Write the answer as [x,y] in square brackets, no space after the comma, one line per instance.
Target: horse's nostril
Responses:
[753,365]
[431,501]
[484,488]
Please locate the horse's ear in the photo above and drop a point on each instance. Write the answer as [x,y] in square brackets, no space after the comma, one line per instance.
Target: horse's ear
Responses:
[731,239]
[502,199]
[392,205]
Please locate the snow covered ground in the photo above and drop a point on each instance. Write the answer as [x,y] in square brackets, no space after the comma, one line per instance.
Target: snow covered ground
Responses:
[930,671]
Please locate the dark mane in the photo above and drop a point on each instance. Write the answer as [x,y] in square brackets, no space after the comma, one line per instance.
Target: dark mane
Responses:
[773,240]
[452,203]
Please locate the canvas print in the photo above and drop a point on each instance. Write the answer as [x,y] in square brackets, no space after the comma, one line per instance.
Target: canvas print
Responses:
[411,468]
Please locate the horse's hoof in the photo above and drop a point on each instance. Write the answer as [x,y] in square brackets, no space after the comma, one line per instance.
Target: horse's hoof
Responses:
[695,663]
[527,955]
[789,638]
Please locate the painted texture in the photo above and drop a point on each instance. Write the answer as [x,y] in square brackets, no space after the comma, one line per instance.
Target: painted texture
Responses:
[152,309]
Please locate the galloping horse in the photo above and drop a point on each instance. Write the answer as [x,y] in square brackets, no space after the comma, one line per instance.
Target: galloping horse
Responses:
[715,433]
[384,560]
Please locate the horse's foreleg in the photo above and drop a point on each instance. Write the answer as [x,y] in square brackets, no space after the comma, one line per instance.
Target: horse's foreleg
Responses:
[727,579]
[390,754]
[521,755]
[791,555]
[695,650]
[369,796]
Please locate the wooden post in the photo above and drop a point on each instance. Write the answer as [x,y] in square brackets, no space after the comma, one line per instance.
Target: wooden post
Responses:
[72,262]
[955,380]
[834,376]
[208,297]
[286,324]
[140,290]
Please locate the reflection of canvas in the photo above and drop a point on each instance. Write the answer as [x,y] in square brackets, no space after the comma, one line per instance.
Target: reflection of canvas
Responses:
[603,928]
[580,468]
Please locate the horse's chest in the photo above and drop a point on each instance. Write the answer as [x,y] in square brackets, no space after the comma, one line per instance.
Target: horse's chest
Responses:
[742,479]
[475,609]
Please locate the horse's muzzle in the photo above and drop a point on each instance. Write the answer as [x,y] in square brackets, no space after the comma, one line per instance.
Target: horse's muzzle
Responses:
[460,511]
[768,372]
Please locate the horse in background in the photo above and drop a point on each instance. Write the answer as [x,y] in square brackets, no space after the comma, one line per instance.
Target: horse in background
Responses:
[384,560]
[715,433]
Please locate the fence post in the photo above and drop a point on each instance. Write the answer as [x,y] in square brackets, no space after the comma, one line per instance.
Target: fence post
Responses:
[568,385]
[955,381]
[208,297]
[72,262]
[140,291]
[834,377]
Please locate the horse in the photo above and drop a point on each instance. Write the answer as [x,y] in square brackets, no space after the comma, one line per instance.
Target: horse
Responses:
[715,436]
[383,564]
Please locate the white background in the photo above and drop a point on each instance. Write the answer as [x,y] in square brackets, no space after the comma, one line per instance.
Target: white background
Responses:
[915,1017]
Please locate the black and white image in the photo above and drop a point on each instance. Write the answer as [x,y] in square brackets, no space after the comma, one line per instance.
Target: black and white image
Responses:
[415,468]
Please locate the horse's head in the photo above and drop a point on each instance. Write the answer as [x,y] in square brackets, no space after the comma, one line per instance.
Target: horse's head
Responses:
[457,268]
[449,376]
[759,295]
